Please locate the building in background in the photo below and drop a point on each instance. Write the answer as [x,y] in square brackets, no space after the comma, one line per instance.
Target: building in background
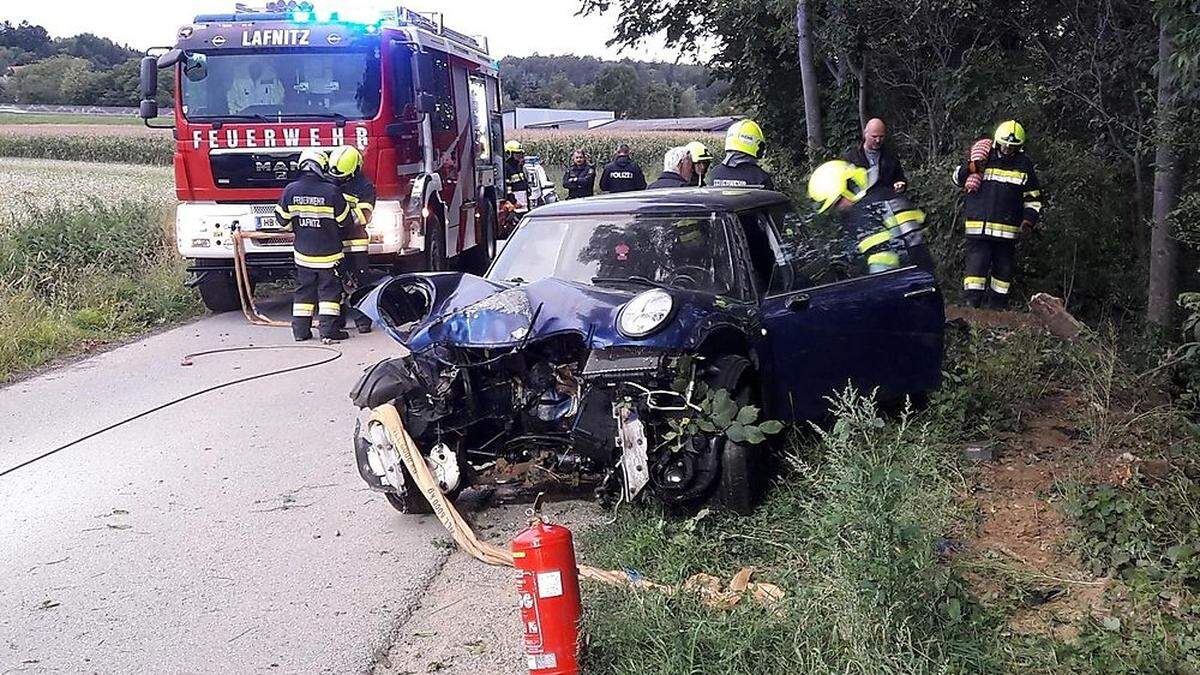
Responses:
[713,125]
[549,118]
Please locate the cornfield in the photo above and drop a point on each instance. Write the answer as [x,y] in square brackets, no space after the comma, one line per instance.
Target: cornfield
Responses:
[139,146]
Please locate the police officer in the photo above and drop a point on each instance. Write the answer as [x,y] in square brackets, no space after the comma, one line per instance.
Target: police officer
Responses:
[516,184]
[345,167]
[677,169]
[580,178]
[622,174]
[701,160]
[1007,204]
[314,209]
[880,230]
[744,147]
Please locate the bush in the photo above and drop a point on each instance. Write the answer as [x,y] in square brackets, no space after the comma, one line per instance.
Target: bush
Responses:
[73,277]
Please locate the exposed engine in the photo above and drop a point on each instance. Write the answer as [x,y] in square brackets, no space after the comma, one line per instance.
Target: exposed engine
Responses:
[556,409]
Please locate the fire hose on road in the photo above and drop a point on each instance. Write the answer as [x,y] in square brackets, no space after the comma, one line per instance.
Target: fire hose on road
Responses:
[713,591]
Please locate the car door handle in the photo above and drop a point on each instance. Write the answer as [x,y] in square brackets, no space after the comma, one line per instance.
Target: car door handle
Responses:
[798,302]
[921,291]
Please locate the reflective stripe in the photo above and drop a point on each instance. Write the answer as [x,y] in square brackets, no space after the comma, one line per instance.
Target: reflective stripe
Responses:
[1033,193]
[1036,206]
[907,221]
[1000,287]
[882,262]
[974,227]
[319,262]
[330,309]
[974,283]
[282,212]
[1005,176]
[871,241]
[992,229]
[355,245]
[302,308]
[305,208]
[342,216]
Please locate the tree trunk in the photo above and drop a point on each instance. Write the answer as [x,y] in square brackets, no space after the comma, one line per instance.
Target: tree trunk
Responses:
[1164,250]
[808,78]
[863,92]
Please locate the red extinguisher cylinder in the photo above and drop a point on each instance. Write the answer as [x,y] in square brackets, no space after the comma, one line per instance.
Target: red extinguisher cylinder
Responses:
[548,583]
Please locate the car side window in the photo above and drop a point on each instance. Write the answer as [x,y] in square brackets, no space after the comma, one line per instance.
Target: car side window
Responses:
[782,256]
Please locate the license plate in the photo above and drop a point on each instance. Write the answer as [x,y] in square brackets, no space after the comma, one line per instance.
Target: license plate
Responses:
[266,223]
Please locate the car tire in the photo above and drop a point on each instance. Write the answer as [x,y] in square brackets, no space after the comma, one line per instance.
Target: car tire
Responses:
[741,480]
[219,292]
[412,502]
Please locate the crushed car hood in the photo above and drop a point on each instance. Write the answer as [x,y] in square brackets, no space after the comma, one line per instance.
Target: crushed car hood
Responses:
[468,311]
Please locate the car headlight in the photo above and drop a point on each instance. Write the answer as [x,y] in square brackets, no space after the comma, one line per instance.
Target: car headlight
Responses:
[645,313]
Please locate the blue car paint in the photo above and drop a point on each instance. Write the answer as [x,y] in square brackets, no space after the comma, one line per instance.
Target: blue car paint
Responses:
[468,311]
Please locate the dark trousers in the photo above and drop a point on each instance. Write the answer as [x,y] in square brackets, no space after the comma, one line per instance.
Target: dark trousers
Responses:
[357,270]
[317,291]
[990,263]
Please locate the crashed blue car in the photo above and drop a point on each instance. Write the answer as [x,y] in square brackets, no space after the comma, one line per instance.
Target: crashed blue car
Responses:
[585,349]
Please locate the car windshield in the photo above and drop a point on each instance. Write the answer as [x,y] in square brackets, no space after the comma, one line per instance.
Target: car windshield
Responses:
[688,252]
[281,85]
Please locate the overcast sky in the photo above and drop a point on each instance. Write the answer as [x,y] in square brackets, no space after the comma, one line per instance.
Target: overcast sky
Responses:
[513,27]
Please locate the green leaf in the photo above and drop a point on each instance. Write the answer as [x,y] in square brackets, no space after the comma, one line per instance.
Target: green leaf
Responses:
[670,435]
[737,433]
[707,426]
[747,415]
[771,427]
[1180,553]
[754,435]
[723,409]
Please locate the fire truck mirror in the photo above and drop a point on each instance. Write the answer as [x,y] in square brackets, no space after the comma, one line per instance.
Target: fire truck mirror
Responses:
[149,84]
[423,80]
[424,102]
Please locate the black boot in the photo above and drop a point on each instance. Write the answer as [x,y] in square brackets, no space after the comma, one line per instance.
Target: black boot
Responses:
[334,335]
[302,331]
[998,301]
[973,298]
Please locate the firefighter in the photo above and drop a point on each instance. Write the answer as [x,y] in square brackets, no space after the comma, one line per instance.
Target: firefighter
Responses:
[1007,204]
[345,167]
[744,147]
[881,230]
[677,169]
[622,174]
[314,209]
[701,160]
[516,184]
[580,178]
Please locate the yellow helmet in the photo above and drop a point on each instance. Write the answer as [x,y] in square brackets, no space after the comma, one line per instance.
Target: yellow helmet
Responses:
[313,159]
[1010,133]
[513,146]
[344,161]
[699,152]
[746,136]
[835,180]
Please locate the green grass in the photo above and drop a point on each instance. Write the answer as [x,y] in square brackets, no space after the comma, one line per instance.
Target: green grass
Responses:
[72,278]
[48,118]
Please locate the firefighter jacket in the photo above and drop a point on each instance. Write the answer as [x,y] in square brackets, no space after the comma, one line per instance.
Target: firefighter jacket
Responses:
[883,176]
[882,229]
[669,179]
[514,178]
[622,175]
[580,181]
[359,194]
[315,211]
[739,170]
[1008,195]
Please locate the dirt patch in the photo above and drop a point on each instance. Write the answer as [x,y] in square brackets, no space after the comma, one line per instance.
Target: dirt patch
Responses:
[991,318]
[467,621]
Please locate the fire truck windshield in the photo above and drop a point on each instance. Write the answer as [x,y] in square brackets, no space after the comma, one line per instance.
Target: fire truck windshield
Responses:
[281,85]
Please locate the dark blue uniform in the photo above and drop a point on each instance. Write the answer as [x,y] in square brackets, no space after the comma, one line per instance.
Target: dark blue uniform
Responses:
[315,211]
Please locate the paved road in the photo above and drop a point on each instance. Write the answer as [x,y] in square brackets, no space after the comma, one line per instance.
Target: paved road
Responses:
[229,533]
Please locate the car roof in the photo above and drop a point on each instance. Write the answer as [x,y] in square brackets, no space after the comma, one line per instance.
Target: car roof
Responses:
[667,201]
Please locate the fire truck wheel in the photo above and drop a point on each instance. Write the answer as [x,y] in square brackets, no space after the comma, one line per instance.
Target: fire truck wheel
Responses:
[484,252]
[219,292]
[435,243]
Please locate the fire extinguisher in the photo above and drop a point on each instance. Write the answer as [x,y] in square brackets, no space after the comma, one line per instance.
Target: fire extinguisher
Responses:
[548,583]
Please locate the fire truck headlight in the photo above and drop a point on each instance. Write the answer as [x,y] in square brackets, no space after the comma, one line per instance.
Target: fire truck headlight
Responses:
[386,224]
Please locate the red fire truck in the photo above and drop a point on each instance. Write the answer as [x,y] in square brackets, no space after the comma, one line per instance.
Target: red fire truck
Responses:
[254,88]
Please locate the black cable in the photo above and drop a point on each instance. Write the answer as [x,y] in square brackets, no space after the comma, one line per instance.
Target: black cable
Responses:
[187,361]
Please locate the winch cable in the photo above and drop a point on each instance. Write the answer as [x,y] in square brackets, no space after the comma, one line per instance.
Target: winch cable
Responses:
[712,590]
[187,361]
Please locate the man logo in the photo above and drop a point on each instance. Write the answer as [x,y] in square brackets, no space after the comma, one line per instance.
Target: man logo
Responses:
[334,39]
[218,40]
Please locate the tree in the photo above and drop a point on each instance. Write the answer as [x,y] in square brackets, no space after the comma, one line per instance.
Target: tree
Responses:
[42,82]
[617,89]
[808,76]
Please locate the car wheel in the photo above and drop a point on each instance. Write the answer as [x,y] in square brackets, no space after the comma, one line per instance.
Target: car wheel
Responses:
[411,502]
[742,466]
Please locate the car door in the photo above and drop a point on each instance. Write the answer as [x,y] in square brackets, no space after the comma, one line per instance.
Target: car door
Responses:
[877,332]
